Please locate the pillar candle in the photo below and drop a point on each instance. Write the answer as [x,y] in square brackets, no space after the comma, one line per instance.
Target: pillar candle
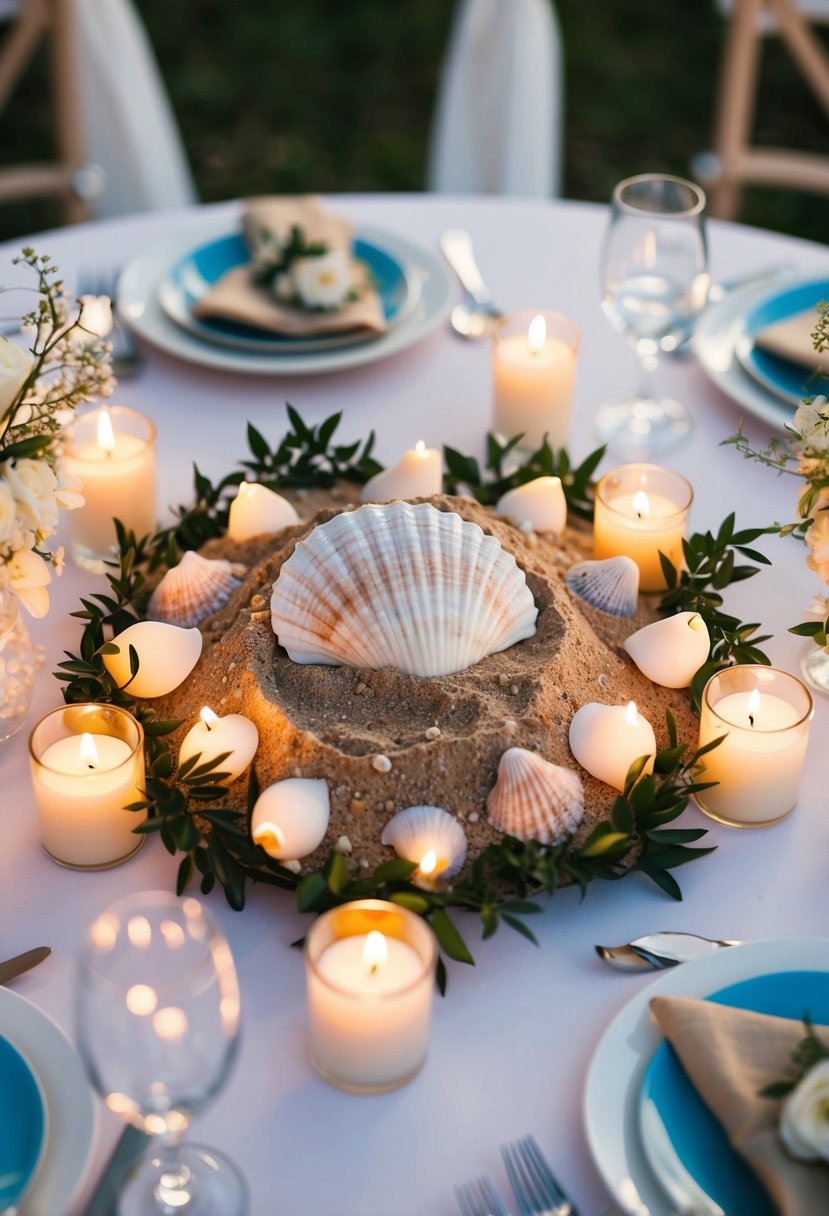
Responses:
[641,510]
[533,369]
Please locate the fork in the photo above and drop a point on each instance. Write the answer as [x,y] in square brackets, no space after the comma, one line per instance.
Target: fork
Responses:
[534,1184]
[125,354]
[479,1198]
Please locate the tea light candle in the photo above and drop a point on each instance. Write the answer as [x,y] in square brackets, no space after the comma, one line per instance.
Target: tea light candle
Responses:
[290,818]
[370,973]
[418,474]
[765,716]
[539,505]
[166,656]
[606,739]
[112,452]
[641,510]
[256,510]
[533,369]
[83,778]
[670,652]
[212,736]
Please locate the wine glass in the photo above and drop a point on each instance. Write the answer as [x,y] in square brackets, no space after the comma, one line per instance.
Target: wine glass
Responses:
[654,282]
[157,1026]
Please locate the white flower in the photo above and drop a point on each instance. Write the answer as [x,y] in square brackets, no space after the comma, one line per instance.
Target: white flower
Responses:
[68,492]
[8,512]
[59,560]
[324,281]
[15,365]
[812,420]
[33,484]
[804,1116]
[28,577]
[817,538]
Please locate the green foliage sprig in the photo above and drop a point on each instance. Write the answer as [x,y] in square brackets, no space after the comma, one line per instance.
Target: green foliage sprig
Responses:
[809,1051]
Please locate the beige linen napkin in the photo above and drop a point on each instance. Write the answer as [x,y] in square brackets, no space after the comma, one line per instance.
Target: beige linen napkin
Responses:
[236,297]
[730,1055]
[792,339]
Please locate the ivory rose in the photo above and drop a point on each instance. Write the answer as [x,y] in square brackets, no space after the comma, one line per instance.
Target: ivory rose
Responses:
[28,577]
[33,484]
[817,538]
[15,365]
[804,1117]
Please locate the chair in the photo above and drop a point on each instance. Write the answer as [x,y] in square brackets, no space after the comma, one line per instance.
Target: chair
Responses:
[497,123]
[734,162]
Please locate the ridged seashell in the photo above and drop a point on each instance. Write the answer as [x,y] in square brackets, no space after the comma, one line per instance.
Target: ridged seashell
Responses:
[419,830]
[534,799]
[166,656]
[290,817]
[670,652]
[194,589]
[611,585]
[400,585]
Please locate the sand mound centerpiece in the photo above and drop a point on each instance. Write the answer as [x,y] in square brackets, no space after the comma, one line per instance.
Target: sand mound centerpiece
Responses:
[398,651]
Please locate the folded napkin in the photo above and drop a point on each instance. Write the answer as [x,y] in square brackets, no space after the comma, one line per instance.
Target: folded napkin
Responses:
[792,339]
[730,1055]
[237,297]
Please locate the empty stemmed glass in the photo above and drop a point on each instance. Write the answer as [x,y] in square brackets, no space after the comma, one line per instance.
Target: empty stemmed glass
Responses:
[157,1026]
[655,279]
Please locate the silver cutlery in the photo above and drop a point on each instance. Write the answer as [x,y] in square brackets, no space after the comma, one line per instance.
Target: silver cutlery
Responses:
[475,317]
[537,1190]
[657,951]
[479,1198]
[13,967]
[126,357]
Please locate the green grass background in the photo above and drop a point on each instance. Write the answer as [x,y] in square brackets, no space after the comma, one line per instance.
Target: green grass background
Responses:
[330,95]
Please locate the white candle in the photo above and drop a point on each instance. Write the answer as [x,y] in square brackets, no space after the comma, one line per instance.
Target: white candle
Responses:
[112,453]
[166,656]
[290,818]
[370,972]
[640,511]
[212,736]
[533,374]
[670,652]
[765,716]
[538,505]
[256,511]
[418,474]
[82,783]
[606,739]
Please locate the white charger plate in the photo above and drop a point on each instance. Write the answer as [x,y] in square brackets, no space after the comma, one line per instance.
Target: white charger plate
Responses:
[614,1078]
[71,1111]
[140,307]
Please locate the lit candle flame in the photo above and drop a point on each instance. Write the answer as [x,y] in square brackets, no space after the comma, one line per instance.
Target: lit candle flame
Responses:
[106,436]
[537,335]
[270,836]
[208,717]
[641,503]
[631,714]
[753,704]
[429,862]
[420,448]
[375,951]
[89,752]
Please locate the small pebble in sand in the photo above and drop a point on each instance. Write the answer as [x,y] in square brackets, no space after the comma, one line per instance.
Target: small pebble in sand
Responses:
[380,763]
[433,732]
[503,679]
[531,540]
[474,817]
[344,845]
[510,726]
[602,679]
[364,863]
[513,688]
[294,866]
[388,805]
[358,806]
[361,688]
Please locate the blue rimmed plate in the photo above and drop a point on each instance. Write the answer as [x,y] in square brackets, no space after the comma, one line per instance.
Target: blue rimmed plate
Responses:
[22,1125]
[785,378]
[198,270]
[684,1143]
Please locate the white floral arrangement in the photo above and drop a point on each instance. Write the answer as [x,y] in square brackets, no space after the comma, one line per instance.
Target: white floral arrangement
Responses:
[310,276]
[62,366]
[803,1124]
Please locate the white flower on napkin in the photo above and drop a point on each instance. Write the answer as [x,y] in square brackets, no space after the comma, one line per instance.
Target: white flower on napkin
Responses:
[323,281]
[15,365]
[804,1117]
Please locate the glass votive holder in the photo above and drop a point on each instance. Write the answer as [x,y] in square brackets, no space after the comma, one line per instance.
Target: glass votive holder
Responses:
[111,450]
[533,371]
[87,765]
[765,716]
[370,968]
[639,511]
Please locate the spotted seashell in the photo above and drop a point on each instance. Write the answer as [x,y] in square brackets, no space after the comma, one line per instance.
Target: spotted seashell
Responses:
[611,585]
[194,589]
[420,830]
[534,799]
[400,585]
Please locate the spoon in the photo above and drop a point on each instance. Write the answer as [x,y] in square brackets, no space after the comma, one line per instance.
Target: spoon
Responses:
[657,951]
[475,317]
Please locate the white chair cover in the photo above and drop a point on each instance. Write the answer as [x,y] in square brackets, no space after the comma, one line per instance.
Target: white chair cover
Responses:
[130,129]
[497,125]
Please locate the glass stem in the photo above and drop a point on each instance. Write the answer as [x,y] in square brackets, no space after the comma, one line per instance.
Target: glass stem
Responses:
[174,1189]
[647,349]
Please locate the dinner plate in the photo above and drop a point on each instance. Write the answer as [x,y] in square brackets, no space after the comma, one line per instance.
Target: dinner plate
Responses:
[194,274]
[616,1071]
[788,379]
[70,1110]
[683,1142]
[22,1124]
[141,308]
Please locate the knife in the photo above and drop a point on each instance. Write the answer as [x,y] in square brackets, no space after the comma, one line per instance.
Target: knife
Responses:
[23,962]
[128,1153]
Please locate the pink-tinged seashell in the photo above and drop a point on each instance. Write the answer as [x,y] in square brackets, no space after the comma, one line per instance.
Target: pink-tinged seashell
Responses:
[611,585]
[194,589]
[533,799]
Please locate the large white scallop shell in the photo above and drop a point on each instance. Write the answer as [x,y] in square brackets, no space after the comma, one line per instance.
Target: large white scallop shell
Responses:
[400,585]
[419,830]
[166,656]
[610,585]
[533,799]
[194,589]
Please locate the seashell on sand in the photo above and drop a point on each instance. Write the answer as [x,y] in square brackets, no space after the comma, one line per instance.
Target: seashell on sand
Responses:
[166,656]
[194,589]
[671,652]
[290,817]
[611,585]
[400,585]
[420,830]
[534,799]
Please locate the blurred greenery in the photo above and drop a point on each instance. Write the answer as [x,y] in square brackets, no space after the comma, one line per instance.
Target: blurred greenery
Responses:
[331,96]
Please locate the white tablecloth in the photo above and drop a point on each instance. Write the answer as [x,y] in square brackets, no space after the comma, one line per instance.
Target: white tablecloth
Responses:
[511,1042]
